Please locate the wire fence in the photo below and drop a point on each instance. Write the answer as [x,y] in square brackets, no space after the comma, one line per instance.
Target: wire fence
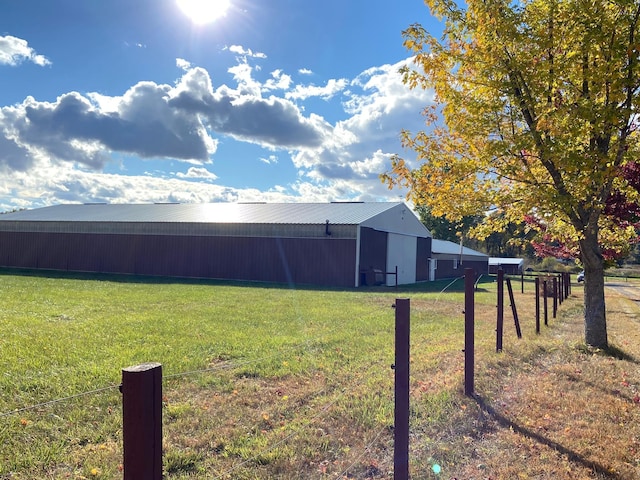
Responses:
[48,403]
[312,413]
[332,393]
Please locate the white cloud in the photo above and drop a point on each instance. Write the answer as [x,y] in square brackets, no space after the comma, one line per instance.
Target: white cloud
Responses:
[270,160]
[246,52]
[379,106]
[198,172]
[153,121]
[105,103]
[52,152]
[245,115]
[242,74]
[53,184]
[332,88]
[75,129]
[135,44]
[14,51]
[278,81]
[305,71]
[183,64]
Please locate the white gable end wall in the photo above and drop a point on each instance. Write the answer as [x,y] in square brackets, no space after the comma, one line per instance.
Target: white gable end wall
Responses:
[398,219]
[401,252]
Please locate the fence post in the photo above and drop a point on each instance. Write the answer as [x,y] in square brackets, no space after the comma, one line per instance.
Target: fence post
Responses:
[555,296]
[537,304]
[546,303]
[514,310]
[500,319]
[469,320]
[569,280]
[142,421]
[401,413]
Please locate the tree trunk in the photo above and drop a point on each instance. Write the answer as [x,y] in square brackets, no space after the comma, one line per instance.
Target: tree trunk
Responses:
[595,321]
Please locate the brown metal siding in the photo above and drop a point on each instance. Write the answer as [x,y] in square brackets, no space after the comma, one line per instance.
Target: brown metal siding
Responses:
[508,269]
[445,268]
[422,259]
[481,267]
[373,249]
[320,261]
[305,261]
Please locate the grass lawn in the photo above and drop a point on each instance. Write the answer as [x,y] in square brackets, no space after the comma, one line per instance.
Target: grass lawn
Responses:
[273,382]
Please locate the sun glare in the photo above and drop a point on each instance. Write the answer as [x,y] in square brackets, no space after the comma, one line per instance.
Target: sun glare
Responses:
[203,11]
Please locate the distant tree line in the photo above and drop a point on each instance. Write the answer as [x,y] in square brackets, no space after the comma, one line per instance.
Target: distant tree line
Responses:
[513,241]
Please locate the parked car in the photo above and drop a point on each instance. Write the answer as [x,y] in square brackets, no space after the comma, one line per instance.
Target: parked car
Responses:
[581,277]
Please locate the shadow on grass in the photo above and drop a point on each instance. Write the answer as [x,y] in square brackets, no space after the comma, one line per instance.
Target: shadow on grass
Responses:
[619,354]
[614,392]
[573,456]
[611,351]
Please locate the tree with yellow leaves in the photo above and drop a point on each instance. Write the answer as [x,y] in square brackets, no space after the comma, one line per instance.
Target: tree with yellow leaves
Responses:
[533,114]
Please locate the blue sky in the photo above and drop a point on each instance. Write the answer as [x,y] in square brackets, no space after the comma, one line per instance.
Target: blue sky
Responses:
[131,101]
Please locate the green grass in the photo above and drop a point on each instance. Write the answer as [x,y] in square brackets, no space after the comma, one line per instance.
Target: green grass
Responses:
[260,381]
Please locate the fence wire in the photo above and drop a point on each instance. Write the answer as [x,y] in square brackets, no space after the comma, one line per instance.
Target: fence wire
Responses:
[57,400]
[308,345]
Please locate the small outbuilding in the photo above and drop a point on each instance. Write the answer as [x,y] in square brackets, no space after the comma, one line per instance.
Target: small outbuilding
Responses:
[510,266]
[450,259]
[334,244]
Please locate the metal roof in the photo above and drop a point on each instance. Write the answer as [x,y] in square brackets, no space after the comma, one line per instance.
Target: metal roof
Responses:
[505,261]
[449,248]
[248,213]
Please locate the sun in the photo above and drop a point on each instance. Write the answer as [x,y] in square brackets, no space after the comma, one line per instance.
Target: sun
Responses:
[203,11]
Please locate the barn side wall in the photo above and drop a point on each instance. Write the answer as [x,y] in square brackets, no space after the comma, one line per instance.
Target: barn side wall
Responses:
[480,266]
[318,261]
[445,267]
[508,269]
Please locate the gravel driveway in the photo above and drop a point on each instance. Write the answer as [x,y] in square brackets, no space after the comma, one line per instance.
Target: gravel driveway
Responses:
[629,290]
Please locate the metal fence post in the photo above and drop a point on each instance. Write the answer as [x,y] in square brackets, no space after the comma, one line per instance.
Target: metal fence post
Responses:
[514,310]
[555,296]
[560,278]
[469,321]
[500,318]
[401,413]
[537,304]
[142,421]
[546,303]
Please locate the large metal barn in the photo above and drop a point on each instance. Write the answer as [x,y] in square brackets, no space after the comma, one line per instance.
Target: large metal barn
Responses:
[332,244]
